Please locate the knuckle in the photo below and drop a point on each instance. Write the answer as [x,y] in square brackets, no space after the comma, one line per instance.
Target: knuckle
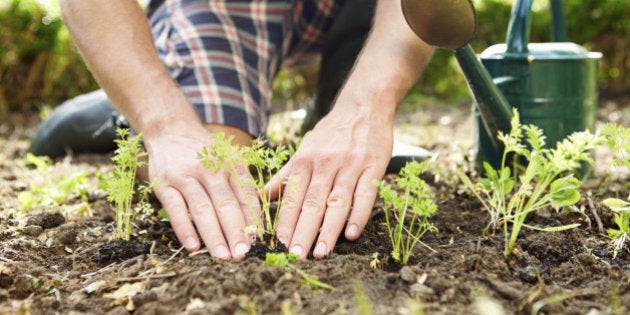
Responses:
[310,207]
[325,159]
[300,163]
[202,208]
[338,200]
[225,204]
[290,201]
[365,192]
[356,155]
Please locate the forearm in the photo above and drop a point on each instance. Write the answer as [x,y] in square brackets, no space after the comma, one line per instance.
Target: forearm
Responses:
[116,43]
[390,63]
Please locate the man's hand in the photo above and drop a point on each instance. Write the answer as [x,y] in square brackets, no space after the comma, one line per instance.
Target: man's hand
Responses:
[334,167]
[116,42]
[330,177]
[199,202]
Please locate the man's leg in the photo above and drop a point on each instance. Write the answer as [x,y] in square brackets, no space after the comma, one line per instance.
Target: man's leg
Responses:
[223,55]
[223,68]
[343,43]
[83,124]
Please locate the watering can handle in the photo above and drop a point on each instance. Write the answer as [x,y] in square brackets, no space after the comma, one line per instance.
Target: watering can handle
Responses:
[519,27]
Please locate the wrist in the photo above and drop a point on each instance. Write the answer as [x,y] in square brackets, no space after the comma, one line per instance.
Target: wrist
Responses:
[366,96]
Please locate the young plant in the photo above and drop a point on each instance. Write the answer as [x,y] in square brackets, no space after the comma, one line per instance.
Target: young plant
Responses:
[411,210]
[264,162]
[548,179]
[286,261]
[120,186]
[49,189]
[618,139]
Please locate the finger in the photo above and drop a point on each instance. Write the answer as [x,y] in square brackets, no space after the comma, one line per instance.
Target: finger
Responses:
[363,202]
[312,213]
[276,183]
[230,215]
[177,212]
[337,210]
[203,214]
[248,198]
[292,199]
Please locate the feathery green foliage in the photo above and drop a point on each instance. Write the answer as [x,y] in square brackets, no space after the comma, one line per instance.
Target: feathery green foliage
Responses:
[120,186]
[411,211]
[286,261]
[50,190]
[265,162]
[548,179]
[618,139]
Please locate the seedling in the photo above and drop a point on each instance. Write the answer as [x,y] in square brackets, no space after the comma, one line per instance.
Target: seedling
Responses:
[375,262]
[120,186]
[364,304]
[411,210]
[286,261]
[48,189]
[548,179]
[263,160]
[618,139]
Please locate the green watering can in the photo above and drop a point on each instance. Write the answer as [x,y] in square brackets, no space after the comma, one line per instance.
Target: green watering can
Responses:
[553,85]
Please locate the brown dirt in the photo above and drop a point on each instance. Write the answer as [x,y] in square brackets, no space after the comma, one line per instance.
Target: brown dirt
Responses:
[56,260]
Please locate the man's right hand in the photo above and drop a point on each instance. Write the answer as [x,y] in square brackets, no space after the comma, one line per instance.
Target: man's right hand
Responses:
[200,203]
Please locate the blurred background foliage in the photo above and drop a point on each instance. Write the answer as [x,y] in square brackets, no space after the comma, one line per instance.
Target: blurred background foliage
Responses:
[599,25]
[40,65]
[38,61]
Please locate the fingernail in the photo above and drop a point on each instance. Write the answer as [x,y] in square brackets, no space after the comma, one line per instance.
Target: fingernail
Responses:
[222,252]
[241,249]
[353,231]
[320,250]
[296,250]
[191,243]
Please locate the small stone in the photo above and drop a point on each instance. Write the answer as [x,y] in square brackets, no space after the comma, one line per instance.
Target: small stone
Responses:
[407,275]
[390,278]
[33,230]
[420,290]
[527,274]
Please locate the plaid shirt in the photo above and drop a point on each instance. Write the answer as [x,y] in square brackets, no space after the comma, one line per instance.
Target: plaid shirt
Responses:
[225,54]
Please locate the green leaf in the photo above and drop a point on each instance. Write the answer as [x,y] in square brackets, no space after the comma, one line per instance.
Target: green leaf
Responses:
[564,191]
[616,204]
[40,162]
[552,228]
[162,214]
[277,259]
[560,228]
[613,233]
[26,199]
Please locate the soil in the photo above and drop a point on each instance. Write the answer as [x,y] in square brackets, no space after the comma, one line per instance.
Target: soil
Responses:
[57,259]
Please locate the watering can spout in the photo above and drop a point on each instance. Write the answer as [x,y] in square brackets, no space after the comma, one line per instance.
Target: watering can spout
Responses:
[452,24]
[492,106]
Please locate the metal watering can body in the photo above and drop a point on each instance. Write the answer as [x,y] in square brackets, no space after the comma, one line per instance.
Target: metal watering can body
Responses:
[553,85]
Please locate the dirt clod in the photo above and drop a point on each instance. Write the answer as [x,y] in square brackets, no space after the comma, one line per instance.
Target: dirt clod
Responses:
[47,220]
[119,251]
[33,230]
[407,275]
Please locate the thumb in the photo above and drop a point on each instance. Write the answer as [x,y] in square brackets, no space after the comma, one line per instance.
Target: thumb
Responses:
[274,187]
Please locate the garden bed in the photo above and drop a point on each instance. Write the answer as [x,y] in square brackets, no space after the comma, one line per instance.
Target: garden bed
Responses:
[66,263]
